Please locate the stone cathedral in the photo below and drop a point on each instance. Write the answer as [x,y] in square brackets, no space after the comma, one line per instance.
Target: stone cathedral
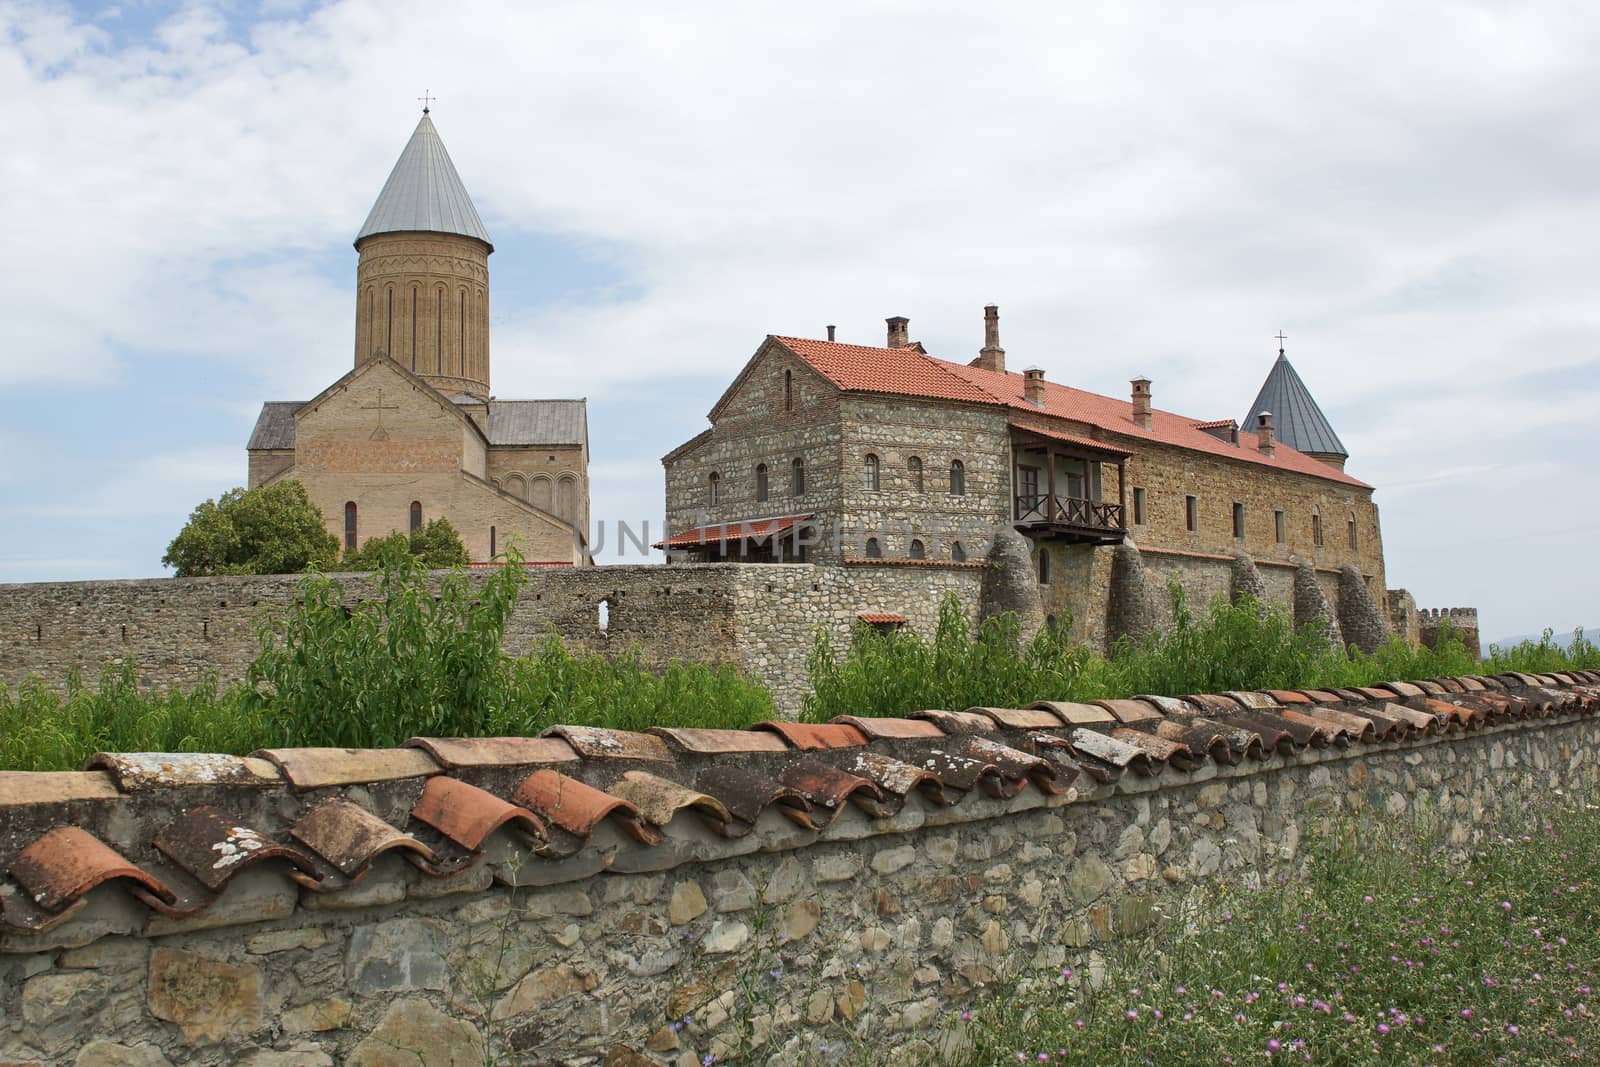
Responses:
[413,431]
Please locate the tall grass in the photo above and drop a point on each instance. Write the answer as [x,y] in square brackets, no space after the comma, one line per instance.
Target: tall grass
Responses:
[1246,646]
[424,659]
[414,661]
[1397,949]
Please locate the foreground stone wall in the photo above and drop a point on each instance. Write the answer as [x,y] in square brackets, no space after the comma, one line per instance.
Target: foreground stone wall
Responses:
[875,931]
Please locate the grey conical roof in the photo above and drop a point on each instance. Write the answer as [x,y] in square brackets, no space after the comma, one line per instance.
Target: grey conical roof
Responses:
[424,192]
[1296,419]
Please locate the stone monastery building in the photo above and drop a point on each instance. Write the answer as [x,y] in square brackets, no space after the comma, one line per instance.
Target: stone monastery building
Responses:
[888,456]
[413,431]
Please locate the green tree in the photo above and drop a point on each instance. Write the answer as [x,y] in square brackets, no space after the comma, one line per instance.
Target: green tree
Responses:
[272,529]
[435,546]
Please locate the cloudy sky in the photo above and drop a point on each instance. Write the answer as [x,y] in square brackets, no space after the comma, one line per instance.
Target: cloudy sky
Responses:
[1408,190]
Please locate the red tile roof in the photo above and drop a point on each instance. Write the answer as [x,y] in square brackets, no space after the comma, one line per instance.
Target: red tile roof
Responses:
[881,618]
[909,372]
[736,530]
[1072,439]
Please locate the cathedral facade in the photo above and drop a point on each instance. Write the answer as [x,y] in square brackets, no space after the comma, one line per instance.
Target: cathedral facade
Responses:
[413,431]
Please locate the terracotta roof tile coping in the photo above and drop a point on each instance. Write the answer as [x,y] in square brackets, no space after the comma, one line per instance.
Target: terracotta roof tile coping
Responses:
[726,778]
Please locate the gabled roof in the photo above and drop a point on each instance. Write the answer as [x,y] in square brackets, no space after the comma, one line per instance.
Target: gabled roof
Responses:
[1297,421]
[424,193]
[908,372]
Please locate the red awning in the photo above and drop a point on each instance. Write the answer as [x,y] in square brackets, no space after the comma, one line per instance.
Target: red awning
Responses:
[738,530]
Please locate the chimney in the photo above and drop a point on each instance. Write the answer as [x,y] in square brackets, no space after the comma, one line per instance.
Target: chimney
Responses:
[1141,402]
[830,332]
[1033,386]
[898,330]
[991,356]
[1264,440]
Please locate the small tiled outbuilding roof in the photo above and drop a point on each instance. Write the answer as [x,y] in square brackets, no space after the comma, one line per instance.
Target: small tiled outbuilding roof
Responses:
[153,826]
[733,530]
[907,371]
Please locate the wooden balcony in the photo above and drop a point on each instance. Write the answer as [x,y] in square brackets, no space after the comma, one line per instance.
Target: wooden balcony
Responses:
[1071,518]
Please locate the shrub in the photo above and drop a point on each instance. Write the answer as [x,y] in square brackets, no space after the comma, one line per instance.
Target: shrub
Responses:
[273,529]
[436,545]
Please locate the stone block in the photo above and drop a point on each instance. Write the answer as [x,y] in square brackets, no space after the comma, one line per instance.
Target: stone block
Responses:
[688,903]
[56,1007]
[396,955]
[413,1033]
[112,1054]
[209,999]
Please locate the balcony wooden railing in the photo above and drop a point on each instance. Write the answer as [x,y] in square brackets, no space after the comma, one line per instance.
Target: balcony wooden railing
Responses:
[1069,511]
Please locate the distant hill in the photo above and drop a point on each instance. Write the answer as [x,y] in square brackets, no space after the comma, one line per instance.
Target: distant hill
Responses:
[1564,640]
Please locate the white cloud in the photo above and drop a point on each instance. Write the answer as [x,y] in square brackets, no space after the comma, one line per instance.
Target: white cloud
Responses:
[1142,187]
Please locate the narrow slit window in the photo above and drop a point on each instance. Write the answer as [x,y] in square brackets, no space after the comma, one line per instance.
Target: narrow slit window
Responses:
[715,483]
[413,328]
[1352,529]
[438,329]
[1138,506]
[958,478]
[914,472]
[462,322]
[1191,513]
[1316,529]
[492,547]
[1280,526]
[761,482]
[350,524]
[869,472]
[788,390]
[416,515]
[1238,521]
[797,477]
[1044,566]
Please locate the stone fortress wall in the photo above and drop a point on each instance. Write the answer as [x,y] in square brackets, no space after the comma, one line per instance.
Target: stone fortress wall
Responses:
[640,935]
[761,618]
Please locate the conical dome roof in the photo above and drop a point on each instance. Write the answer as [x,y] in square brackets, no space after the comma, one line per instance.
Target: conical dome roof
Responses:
[424,192]
[1296,419]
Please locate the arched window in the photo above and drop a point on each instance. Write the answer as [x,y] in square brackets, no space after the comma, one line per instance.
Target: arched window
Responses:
[874,550]
[761,482]
[797,477]
[869,472]
[1316,529]
[917,550]
[1044,566]
[958,478]
[1352,528]
[715,483]
[388,329]
[416,515]
[914,472]
[462,322]
[788,390]
[958,553]
[350,524]
[413,329]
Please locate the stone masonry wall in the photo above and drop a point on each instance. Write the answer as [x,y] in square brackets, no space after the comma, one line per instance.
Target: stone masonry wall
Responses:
[875,931]
[761,618]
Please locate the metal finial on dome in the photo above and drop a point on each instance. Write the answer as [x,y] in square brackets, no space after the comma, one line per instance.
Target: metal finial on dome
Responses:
[426,99]
[1280,334]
